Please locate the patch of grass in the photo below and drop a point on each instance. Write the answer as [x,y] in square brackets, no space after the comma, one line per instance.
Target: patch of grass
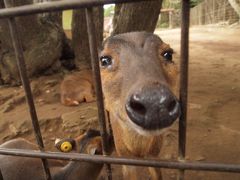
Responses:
[67,19]
[67,16]
[108,11]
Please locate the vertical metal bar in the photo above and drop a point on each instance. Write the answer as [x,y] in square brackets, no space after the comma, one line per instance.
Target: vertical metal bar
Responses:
[27,88]
[23,73]
[109,125]
[183,81]
[1,176]
[98,85]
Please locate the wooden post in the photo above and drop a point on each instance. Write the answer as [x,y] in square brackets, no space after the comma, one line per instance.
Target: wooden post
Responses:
[170,20]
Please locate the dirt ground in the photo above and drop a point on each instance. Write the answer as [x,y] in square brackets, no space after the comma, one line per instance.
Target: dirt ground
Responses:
[214,99]
[213,128]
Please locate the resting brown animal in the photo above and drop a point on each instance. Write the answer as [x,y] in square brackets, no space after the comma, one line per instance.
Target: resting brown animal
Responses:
[23,168]
[138,77]
[77,87]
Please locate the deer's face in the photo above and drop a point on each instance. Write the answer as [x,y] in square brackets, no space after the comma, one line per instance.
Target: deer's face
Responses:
[138,77]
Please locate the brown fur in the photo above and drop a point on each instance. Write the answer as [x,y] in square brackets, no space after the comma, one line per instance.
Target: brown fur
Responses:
[119,80]
[22,168]
[77,88]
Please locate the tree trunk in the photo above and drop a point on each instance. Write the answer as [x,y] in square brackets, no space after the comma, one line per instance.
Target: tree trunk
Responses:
[80,36]
[42,45]
[235,6]
[54,16]
[141,16]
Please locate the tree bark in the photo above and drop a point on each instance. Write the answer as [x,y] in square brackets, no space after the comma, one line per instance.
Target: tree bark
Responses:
[80,36]
[54,16]
[141,16]
[42,45]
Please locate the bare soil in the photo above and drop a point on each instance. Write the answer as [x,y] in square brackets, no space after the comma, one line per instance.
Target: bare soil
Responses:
[213,128]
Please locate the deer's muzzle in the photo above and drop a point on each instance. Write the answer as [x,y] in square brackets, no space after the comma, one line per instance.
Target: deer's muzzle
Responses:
[153,107]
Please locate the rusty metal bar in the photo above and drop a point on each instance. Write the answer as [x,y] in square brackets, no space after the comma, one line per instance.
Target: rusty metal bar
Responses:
[98,85]
[183,82]
[74,4]
[57,6]
[27,88]
[233,168]
[23,74]
[1,176]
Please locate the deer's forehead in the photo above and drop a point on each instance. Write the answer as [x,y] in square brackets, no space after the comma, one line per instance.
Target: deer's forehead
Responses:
[126,49]
[133,40]
[114,45]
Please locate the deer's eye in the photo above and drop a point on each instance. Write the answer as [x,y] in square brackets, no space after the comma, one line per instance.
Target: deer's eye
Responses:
[167,56]
[106,61]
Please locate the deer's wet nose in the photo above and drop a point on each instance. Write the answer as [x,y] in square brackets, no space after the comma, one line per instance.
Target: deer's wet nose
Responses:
[153,108]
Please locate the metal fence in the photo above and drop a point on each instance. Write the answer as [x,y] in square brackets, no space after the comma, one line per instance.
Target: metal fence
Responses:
[181,164]
[213,12]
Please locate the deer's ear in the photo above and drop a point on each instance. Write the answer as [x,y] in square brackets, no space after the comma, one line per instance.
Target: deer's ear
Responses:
[92,151]
[95,146]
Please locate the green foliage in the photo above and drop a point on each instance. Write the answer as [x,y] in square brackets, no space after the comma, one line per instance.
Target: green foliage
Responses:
[67,19]
[162,25]
[194,3]
[108,11]
[177,4]
[171,4]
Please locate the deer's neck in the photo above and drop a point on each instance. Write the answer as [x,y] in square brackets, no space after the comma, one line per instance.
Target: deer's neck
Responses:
[129,142]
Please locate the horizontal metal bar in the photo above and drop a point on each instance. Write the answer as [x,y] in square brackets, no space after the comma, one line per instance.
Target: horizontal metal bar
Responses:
[203,166]
[57,6]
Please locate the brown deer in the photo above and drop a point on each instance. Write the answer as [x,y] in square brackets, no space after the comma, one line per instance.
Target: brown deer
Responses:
[24,168]
[138,77]
[76,88]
